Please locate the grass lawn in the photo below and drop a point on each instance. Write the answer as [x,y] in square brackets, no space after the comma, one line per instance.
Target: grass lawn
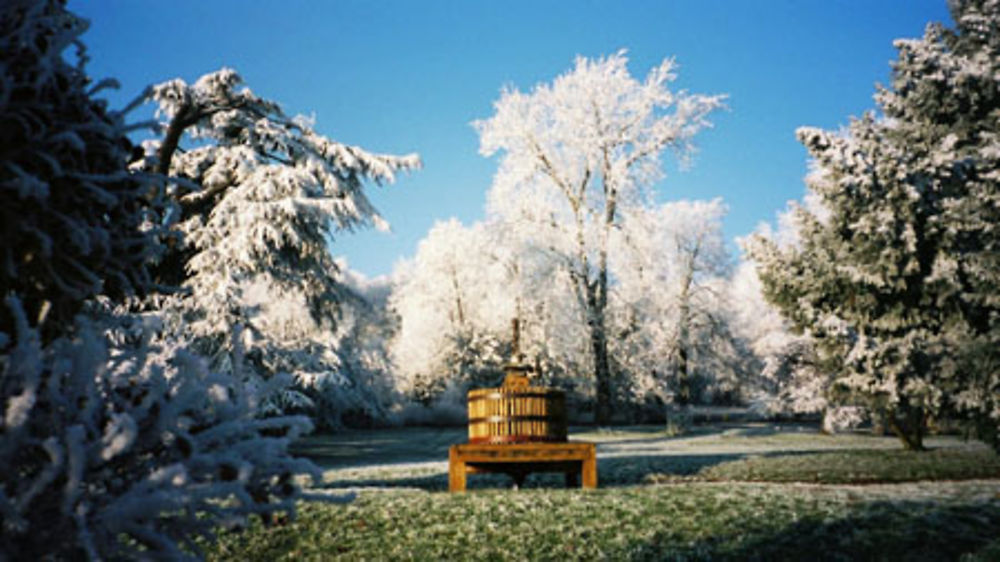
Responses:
[860,467]
[724,493]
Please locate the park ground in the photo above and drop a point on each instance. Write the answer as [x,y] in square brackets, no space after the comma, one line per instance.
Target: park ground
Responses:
[721,491]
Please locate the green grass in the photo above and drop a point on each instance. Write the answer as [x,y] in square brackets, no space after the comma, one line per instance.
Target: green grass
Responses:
[694,521]
[856,467]
[747,492]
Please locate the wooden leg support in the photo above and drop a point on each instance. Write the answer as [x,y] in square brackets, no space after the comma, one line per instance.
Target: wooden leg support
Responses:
[589,470]
[456,471]
[578,461]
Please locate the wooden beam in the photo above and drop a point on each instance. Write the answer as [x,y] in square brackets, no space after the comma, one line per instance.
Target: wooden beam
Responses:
[578,461]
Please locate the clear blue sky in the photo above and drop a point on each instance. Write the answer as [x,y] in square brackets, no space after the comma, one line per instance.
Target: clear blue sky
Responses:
[400,76]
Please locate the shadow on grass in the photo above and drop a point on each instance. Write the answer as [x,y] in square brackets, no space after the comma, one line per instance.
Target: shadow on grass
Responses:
[658,434]
[612,472]
[879,531]
[630,470]
[862,466]
[380,458]
[431,482]
[363,448]
[359,448]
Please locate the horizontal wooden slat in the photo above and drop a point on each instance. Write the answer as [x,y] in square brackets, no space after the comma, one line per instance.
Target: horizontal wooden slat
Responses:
[575,459]
[502,419]
[524,452]
[515,439]
[513,394]
[510,415]
[537,466]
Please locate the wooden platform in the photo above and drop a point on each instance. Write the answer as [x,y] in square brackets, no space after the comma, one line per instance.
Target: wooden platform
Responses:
[578,461]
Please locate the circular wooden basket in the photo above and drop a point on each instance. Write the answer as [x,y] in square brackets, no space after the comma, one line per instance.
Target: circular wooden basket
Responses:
[526,414]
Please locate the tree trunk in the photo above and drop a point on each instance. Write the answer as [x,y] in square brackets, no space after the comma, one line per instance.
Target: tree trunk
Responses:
[459,309]
[880,422]
[683,335]
[909,424]
[683,377]
[602,371]
[599,347]
[172,138]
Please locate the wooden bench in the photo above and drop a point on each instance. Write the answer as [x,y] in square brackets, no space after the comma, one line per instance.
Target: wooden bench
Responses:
[578,461]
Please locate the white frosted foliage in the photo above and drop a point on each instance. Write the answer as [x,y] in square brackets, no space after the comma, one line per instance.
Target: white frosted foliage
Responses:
[896,279]
[259,198]
[454,307]
[116,444]
[576,155]
[131,442]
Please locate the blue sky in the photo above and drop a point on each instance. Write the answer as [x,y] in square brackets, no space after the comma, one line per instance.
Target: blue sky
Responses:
[399,76]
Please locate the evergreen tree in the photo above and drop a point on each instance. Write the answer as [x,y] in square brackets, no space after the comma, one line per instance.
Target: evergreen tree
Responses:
[897,278]
[257,198]
[74,223]
[114,445]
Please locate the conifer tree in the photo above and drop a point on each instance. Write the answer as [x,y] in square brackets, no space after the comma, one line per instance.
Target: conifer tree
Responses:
[114,445]
[257,197]
[897,277]
[74,223]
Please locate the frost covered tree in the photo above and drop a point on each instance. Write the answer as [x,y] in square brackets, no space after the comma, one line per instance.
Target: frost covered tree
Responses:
[789,378]
[578,153]
[257,199]
[454,310]
[71,215]
[366,326]
[898,279]
[114,446]
[455,301]
[125,448]
[669,311]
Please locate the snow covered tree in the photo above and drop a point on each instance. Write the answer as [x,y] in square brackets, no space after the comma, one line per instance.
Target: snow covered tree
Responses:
[789,379]
[454,310]
[576,154]
[129,449]
[114,446]
[258,197]
[669,308]
[367,324]
[898,282]
[71,216]
[455,300]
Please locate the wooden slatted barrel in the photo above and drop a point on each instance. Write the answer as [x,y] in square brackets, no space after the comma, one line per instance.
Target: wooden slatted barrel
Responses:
[517,413]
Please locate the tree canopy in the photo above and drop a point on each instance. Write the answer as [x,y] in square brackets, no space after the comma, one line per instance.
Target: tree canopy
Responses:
[74,222]
[576,154]
[896,269]
[257,197]
[116,443]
